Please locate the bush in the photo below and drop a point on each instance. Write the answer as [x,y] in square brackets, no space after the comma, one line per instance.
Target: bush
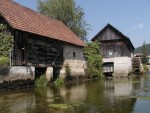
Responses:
[4,62]
[94,60]
[5,45]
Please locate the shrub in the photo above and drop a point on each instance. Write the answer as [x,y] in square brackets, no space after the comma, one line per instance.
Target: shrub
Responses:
[94,60]
[5,45]
[4,62]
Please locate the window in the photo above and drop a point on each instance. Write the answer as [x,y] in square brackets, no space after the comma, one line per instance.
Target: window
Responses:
[109,53]
[74,54]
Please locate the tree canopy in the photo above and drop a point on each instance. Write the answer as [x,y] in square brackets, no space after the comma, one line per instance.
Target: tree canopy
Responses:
[144,51]
[67,12]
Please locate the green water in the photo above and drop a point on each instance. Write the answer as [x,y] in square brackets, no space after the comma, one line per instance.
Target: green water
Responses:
[96,96]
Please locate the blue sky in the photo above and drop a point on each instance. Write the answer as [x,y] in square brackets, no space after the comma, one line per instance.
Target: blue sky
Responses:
[131,17]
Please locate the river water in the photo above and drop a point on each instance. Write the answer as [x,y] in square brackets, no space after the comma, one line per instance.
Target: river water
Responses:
[125,95]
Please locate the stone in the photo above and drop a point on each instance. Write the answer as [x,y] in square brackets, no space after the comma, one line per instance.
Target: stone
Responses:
[49,73]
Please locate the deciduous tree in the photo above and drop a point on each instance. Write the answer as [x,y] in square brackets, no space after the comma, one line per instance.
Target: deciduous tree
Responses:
[144,51]
[67,12]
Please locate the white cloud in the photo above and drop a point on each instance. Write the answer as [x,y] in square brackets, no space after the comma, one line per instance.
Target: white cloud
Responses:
[138,26]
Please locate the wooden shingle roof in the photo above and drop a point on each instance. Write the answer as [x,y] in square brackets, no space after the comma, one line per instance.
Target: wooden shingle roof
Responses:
[25,19]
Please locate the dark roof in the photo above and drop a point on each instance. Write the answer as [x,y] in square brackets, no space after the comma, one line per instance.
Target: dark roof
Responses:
[25,19]
[116,31]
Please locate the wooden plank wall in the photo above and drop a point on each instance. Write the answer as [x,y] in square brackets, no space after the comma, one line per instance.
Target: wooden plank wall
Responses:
[34,50]
[43,52]
[112,42]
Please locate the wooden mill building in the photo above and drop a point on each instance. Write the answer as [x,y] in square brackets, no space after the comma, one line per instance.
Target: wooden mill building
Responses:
[40,41]
[117,51]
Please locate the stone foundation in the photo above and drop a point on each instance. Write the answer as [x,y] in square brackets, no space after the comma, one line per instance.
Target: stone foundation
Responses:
[17,84]
[49,73]
[122,65]
[17,77]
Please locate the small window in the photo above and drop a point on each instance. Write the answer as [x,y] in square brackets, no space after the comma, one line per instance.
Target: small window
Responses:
[109,53]
[74,54]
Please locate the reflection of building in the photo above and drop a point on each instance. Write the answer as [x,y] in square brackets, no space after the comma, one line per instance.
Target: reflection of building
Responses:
[119,87]
[72,93]
[17,103]
[116,48]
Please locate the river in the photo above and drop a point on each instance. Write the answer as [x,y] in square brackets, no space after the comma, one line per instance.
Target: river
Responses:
[124,95]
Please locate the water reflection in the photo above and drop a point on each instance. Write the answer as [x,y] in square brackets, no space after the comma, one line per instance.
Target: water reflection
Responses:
[98,96]
[16,102]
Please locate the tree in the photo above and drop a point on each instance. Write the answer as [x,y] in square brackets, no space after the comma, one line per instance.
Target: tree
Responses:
[6,45]
[94,60]
[67,12]
[144,51]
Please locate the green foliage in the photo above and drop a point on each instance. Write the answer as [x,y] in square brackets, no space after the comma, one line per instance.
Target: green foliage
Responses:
[59,81]
[94,60]
[64,106]
[139,49]
[60,106]
[5,45]
[144,51]
[67,12]
[41,81]
[4,61]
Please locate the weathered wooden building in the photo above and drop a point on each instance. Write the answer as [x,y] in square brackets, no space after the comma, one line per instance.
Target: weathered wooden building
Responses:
[117,51]
[40,41]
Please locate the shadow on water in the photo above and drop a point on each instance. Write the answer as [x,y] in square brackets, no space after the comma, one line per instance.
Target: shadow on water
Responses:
[125,95]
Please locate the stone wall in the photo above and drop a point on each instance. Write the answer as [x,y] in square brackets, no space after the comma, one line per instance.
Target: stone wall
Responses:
[73,57]
[17,77]
[122,65]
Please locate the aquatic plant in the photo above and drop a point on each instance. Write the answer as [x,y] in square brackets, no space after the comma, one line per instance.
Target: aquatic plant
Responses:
[144,97]
[60,106]
[63,106]
[59,81]
[41,81]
